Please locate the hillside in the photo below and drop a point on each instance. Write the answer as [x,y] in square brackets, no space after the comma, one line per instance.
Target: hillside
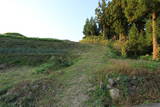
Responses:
[81,76]
[30,67]
[15,49]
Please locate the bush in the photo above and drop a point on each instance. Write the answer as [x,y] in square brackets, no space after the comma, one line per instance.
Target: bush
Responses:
[138,43]
[55,62]
[146,57]
[121,47]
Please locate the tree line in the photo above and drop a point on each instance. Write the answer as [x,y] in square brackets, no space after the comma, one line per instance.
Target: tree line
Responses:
[134,22]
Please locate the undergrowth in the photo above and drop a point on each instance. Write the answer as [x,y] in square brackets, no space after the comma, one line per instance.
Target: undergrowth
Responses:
[137,80]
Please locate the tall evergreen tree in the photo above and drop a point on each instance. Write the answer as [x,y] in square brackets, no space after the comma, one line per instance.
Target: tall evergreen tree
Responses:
[91,27]
[120,23]
[101,17]
[138,8]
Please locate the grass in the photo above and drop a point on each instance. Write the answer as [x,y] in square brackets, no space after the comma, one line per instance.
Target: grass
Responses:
[19,77]
[142,73]
[32,51]
[77,77]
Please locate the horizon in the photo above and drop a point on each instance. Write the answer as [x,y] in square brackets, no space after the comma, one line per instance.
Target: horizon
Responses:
[46,19]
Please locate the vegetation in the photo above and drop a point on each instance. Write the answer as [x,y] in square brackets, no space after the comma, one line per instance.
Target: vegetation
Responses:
[91,28]
[31,51]
[131,29]
[135,22]
[137,81]
[49,72]
[115,65]
[30,69]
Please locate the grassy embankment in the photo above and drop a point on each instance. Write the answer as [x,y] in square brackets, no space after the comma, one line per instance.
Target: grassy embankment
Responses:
[26,74]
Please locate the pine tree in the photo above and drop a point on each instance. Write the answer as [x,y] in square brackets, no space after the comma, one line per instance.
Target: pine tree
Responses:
[90,27]
[120,23]
[100,13]
[134,9]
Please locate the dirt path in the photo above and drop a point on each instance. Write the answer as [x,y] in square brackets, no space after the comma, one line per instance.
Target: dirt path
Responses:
[75,95]
[76,79]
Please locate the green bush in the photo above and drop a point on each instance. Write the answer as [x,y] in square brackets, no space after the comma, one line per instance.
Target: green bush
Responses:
[146,57]
[138,43]
[121,47]
[54,63]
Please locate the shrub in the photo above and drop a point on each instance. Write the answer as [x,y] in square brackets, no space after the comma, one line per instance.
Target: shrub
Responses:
[137,43]
[121,47]
[44,68]
[146,57]
[54,63]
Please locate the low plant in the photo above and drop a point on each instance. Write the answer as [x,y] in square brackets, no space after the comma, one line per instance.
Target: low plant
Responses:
[54,63]
[146,57]
[121,46]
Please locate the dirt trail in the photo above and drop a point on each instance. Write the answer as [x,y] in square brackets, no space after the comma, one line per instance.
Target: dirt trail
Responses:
[74,93]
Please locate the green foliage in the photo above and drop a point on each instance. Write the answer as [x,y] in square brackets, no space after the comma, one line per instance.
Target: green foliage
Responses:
[137,43]
[150,65]
[44,68]
[130,21]
[120,23]
[14,35]
[149,31]
[133,34]
[91,28]
[124,51]
[32,60]
[146,57]
[112,53]
[134,9]
[54,63]
[32,51]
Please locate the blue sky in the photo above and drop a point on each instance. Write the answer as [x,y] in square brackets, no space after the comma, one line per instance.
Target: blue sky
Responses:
[62,19]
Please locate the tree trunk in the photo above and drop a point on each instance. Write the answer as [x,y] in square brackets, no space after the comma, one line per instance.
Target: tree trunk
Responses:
[154,37]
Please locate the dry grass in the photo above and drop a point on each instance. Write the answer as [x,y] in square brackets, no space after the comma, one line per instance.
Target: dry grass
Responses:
[146,82]
[95,40]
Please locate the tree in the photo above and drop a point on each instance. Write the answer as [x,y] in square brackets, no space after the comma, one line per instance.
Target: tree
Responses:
[120,23]
[101,16]
[86,28]
[91,28]
[134,9]
[137,44]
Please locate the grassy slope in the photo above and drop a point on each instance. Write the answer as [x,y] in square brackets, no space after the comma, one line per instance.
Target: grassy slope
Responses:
[23,70]
[76,78]
[31,49]
[66,87]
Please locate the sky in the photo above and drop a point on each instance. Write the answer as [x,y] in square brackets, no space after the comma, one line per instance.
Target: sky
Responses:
[61,19]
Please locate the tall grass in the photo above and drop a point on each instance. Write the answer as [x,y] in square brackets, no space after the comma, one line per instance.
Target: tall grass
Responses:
[95,40]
